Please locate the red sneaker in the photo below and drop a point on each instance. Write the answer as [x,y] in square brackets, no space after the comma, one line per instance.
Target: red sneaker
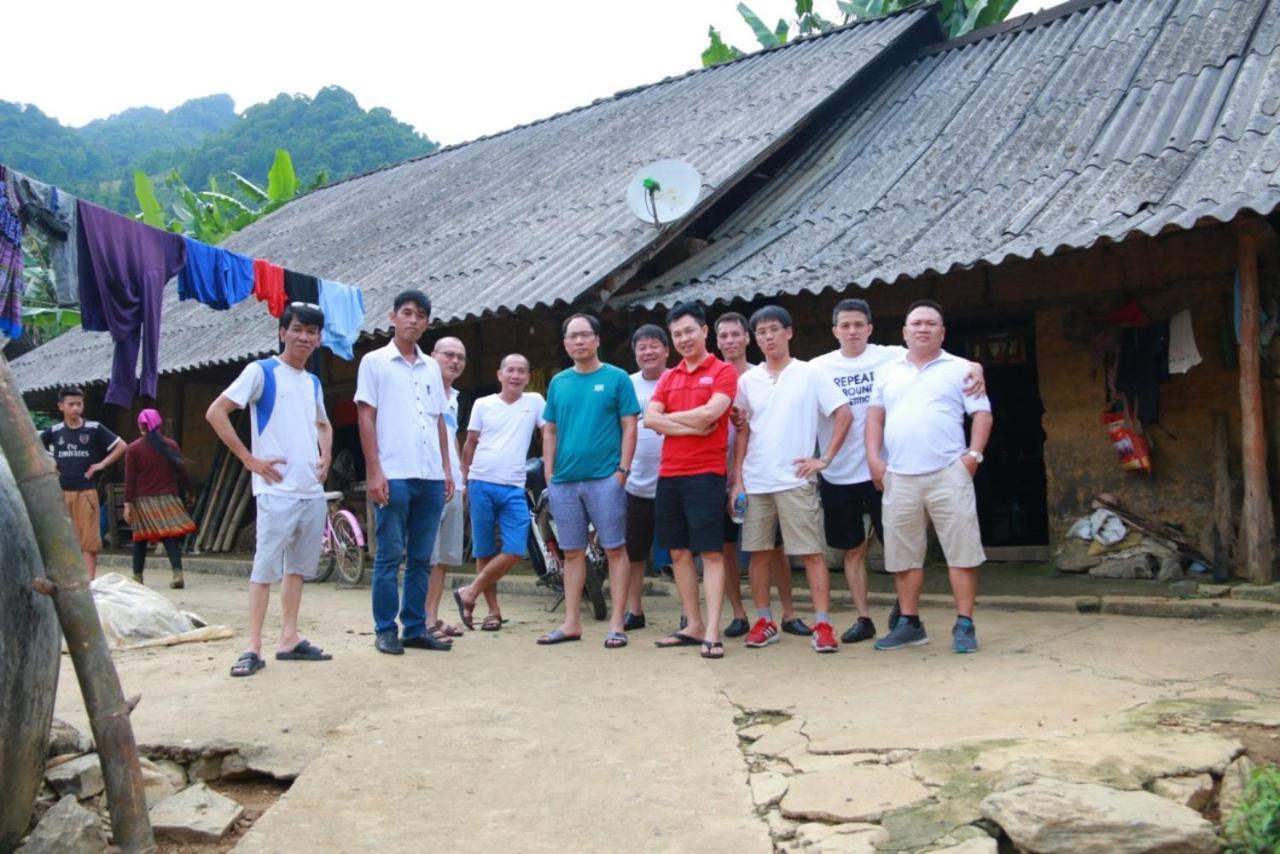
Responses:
[824,638]
[763,633]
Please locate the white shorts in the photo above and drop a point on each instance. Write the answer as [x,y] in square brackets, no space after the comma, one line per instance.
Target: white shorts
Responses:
[943,497]
[448,547]
[290,537]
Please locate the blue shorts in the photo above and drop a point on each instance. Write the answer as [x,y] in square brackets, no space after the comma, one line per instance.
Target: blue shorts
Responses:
[502,507]
[602,502]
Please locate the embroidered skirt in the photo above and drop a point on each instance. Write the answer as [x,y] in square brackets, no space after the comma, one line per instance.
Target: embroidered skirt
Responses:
[160,517]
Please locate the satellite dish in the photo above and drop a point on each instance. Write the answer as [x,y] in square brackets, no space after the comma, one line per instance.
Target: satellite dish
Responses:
[664,191]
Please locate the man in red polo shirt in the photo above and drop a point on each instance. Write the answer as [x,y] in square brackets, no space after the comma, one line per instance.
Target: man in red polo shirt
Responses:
[690,408]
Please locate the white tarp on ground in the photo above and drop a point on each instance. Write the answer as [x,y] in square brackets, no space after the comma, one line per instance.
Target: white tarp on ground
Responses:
[134,615]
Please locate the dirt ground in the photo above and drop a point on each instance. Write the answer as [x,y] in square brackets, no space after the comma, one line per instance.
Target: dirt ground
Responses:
[502,743]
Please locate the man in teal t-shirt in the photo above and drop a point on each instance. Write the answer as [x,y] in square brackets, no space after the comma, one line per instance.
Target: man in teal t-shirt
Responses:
[587,446]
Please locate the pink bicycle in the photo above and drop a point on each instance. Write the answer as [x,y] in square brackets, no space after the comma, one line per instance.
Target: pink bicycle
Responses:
[343,547]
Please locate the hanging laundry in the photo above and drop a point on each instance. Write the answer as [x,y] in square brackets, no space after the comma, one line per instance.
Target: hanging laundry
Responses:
[1183,354]
[124,265]
[215,277]
[1143,366]
[268,286]
[53,212]
[343,307]
[301,288]
[11,285]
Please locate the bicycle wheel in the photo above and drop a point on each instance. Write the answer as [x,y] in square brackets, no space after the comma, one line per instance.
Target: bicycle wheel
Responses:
[595,584]
[325,568]
[348,554]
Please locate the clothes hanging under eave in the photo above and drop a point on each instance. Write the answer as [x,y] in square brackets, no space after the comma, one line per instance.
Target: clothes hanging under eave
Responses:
[1143,366]
[123,268]
[215,277]
[11,284]
[54,213]
[299,287]
[268,286]
[343,307]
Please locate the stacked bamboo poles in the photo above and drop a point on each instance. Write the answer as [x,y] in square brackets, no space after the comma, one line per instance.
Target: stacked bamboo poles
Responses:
[68,584]
[225,502]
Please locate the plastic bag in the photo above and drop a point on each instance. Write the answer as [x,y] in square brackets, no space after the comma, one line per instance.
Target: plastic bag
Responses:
[132,613]
[1108,528]
[1131,446]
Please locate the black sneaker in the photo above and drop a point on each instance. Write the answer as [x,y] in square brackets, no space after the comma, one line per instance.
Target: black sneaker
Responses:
[631,622]
[389,643]
[797,626]
[427,641]
[861,630]
[737,628]
[895,614]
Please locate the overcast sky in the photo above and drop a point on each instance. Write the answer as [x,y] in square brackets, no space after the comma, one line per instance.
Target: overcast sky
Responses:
[452,76]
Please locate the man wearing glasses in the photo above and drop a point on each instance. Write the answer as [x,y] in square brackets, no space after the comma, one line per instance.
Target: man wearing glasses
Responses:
[784,399]
[588,442]
[401,400]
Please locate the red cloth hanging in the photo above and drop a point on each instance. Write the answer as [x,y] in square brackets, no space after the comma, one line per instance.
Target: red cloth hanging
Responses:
[268,286]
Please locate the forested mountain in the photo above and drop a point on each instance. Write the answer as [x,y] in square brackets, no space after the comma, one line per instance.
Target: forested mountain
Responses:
[202,138]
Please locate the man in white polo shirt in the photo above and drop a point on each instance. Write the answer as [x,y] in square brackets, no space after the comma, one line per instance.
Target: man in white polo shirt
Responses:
[916,448]
[451,355]
[400,395]
[493,462]
[845,486]
[775,463]
[650,347]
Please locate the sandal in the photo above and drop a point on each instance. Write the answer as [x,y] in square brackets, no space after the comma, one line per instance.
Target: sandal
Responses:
[441,629]
[247,664]
[491,623]
[304,651]
[677,639]
[463,611]
[615,640]
[557,636]
[712,649]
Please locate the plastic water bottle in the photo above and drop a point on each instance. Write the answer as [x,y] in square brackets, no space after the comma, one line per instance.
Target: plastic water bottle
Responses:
[739,508]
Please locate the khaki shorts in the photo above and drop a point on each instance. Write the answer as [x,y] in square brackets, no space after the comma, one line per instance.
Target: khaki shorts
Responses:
[796,510]
[946,498]
[83,507]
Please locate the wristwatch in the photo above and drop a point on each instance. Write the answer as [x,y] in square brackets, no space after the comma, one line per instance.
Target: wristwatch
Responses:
[977,455]
[826,461]
[621,470]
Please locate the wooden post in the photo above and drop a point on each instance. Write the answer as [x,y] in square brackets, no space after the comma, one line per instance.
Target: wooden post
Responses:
[64,567]
[1257,526]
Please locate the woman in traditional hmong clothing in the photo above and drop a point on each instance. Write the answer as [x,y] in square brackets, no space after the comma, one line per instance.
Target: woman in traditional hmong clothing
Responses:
[155,484]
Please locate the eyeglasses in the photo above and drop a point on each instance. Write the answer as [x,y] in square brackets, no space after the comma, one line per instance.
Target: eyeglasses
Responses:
[452,354]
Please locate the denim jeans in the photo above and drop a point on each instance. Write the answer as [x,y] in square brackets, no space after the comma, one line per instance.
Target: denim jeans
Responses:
[406,531]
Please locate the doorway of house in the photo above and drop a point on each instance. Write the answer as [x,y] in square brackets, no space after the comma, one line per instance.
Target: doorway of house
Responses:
[1011,484]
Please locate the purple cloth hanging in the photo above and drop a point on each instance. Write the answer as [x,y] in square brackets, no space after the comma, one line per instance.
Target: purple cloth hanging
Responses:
[124,265]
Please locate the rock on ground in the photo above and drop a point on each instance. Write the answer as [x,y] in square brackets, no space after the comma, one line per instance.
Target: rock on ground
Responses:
[850,794]
[1193,791]
[854,838]
[67,828]
[1138,566]
[768,787]
[1055,817]
[985,845]
[1234,782]
[81,777]
[1261,592]
[64,738]
[196,814]
[156,783]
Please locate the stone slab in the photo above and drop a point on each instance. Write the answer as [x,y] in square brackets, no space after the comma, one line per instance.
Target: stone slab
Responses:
[67,828]
[1194,791]
[850,794]
[768,787]
[196,814]
[81,777]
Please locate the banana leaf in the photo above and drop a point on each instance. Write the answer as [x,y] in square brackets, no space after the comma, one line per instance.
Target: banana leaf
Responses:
[282,182]
[763,34]
[152,213]
[249,188]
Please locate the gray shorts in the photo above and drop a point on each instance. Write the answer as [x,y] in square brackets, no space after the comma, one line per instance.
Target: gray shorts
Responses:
[448,547]
[290,537]
[602,502]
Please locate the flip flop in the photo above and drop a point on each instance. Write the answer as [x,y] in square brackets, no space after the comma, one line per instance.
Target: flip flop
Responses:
[677,639]
[463,611]
[557,636]
[491,623]
[304,651]
[247,664]
[443,630]
[712,649]
[615,640]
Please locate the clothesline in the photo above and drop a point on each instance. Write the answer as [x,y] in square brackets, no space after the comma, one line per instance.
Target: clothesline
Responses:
[116,268]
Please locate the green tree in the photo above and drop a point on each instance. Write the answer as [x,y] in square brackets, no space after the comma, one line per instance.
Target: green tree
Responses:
[956,16]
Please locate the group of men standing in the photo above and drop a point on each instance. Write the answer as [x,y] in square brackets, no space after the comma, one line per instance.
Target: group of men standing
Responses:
[707,458]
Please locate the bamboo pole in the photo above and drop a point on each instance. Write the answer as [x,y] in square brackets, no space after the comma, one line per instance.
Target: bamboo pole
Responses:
[64,567]
[1257,534]
[237,488]
[235,514]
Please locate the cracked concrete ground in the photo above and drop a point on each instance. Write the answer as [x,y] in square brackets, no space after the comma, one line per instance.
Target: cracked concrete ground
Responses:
[502,742]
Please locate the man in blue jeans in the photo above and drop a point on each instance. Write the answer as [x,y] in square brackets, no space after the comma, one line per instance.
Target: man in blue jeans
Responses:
[401,400]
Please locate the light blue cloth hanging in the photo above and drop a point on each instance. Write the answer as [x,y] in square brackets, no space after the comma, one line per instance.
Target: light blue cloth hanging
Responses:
[343,307]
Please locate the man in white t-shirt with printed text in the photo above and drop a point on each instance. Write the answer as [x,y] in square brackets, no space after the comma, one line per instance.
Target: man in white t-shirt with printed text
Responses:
[916,447]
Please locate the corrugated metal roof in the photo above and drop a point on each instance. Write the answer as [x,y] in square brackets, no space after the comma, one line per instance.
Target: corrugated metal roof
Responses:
[1109,120]
[531,217]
